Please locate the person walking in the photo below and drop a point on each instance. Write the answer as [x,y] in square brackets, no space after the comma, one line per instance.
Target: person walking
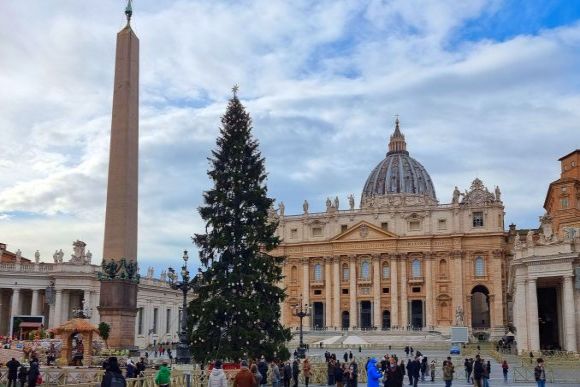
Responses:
[468,369]
[330,371]
[345,357]
[409,372]
[22,375]
[432,370]
[274,374]
[401,375]
[339,375]
[33,373]
[257,375]
[287,374]
[540,373]
[505,368]
[12,366]
[295,371]
[263,369]
[306,371]
[486,374]
[373,373]
[414,371]
[478,370]
[448,370]
[391,373]
[163,377]
[217,377]
[350,355]
[423,367]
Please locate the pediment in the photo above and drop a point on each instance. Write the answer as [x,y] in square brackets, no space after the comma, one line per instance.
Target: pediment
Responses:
[363,231]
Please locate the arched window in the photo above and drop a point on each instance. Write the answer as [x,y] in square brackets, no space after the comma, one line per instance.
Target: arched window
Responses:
[345,272]
[479,267]
[293,274]
[364,270]
[443,268]
[318,272]
[386,271]
[416,268]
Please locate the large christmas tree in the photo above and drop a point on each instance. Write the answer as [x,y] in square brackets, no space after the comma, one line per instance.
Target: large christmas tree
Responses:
[236,311]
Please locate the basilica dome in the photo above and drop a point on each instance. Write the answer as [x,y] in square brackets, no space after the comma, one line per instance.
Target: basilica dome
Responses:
[398,173]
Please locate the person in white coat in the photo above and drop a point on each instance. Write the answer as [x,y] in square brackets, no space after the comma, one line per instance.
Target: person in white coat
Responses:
[217,377]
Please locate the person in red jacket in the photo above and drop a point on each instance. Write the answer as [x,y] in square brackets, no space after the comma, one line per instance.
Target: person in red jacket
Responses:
[244,378]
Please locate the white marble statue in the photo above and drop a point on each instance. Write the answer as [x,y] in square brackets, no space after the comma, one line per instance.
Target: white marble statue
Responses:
[459,316]
[336,203]
[18,255]
[60,256]
[163,276]
[497,194]
[281,209]
[456,195]
[305,206]
[37,257]
[530,239]
[328,204]
[351,201]
[88,257]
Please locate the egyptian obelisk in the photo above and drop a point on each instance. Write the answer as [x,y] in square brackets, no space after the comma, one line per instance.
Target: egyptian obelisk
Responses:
[118,299]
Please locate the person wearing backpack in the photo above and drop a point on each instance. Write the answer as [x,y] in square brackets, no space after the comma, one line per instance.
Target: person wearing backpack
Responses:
[113,376]
[163,376]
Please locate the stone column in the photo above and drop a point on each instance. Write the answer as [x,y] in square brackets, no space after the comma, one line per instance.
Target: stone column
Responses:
[306,288]
[394,291]
[337,292]
[57,308]
[35,304]
[328,292]
[569,315]
[520,319]
[352,292]
[458,282]
[404,317]
[377,310]
[532,313]
[15,305]
[429,291]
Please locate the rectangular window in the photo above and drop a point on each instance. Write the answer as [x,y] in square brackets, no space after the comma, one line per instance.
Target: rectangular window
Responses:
[416,289]
[167,320]
[294,233]
[414,225]
[317,292]
[343,227]
[385,226]
[316,231]
[344,291]
[478,219]
[442,224]
[155,319]
[385,290]
[140,321]
[564,202]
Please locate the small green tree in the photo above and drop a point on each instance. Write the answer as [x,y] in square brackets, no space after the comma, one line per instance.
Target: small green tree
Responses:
[104,330]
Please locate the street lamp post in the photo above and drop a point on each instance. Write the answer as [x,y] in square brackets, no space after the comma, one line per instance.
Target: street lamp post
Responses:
[183,355]
[301,311]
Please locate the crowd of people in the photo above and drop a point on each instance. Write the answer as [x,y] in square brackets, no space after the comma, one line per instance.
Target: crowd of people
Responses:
[19,374]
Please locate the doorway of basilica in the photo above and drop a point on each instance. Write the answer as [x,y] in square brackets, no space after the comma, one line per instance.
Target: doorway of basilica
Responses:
[365,314]
[318,315]
[548,318]
[416,310]
[386,319]
[345,320]
[480,307]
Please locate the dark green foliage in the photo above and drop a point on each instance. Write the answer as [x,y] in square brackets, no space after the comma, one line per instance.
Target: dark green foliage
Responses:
[236,312]
[104,330]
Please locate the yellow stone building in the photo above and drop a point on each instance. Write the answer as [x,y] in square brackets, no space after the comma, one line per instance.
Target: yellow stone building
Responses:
[401,260]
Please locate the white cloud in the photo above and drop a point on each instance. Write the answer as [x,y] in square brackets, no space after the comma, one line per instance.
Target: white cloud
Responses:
[322,81]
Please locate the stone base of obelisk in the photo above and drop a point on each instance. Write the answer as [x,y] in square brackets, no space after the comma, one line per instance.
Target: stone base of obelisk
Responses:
[118,309]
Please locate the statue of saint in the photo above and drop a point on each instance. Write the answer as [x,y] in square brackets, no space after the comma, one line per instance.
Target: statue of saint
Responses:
[60,256]
[497,194]
[88,257]
[459,316]
[351,201]
[530,238]
[328,204]
[18,255]
[456,194]
[305,206]
[55,256]
[336,202]
[37,256]
[281,208]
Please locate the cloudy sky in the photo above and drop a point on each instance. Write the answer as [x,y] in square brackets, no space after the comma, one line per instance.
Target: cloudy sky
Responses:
[487,89]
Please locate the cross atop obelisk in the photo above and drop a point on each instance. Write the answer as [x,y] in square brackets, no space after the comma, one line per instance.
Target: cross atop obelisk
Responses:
[119,272]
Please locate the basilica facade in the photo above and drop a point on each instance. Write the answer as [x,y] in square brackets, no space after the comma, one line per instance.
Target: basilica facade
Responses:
[401,260]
